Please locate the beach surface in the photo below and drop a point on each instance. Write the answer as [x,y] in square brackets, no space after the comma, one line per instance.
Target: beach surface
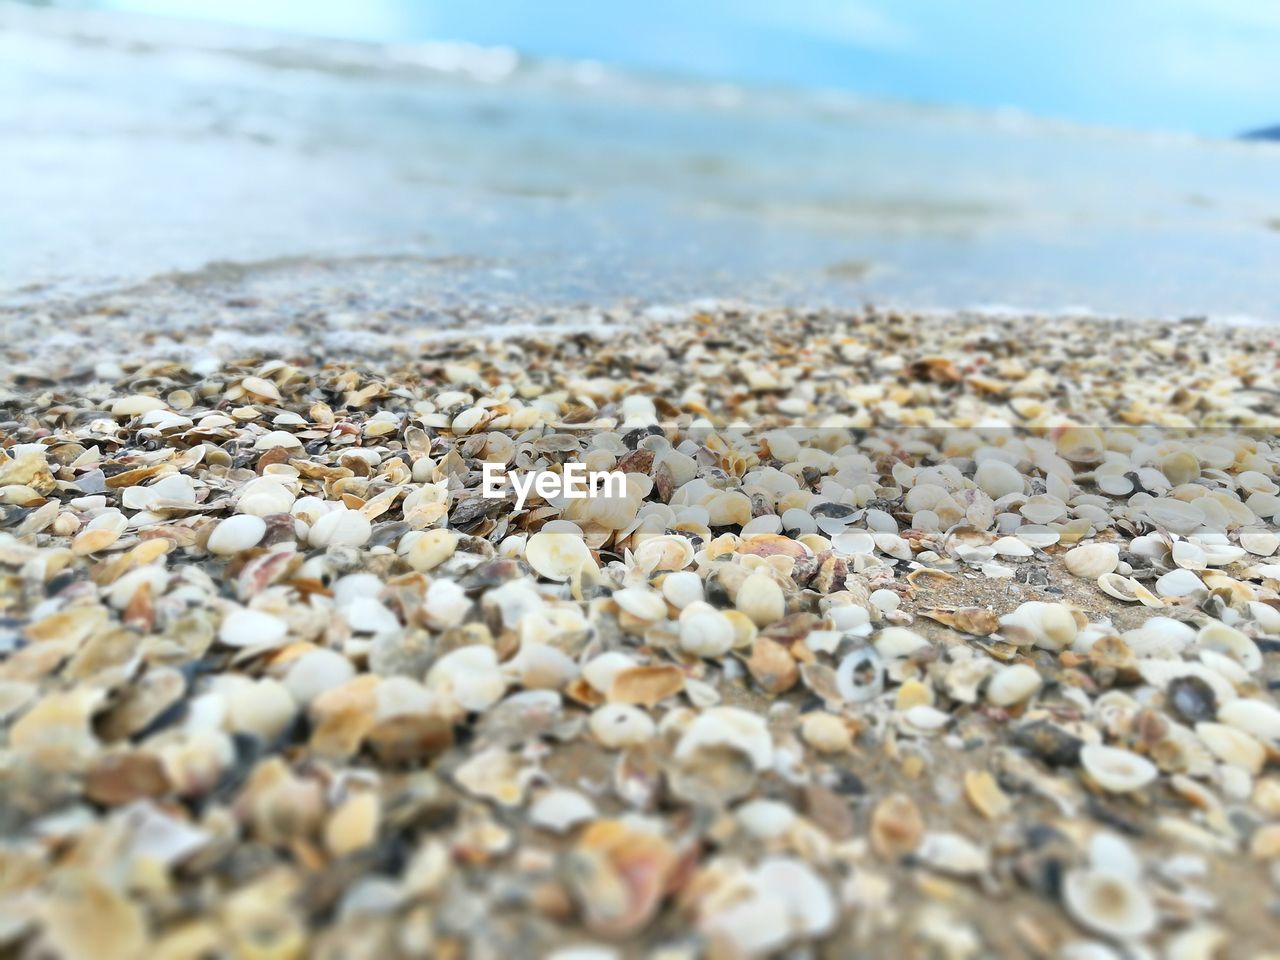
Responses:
[914,635]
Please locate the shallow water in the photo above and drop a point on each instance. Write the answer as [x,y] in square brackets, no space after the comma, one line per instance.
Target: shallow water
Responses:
[142,147]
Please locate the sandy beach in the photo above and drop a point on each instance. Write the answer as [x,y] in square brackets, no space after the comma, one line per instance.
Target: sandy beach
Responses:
[914,636]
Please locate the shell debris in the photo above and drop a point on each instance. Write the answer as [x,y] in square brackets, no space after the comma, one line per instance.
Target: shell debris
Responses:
[903,627]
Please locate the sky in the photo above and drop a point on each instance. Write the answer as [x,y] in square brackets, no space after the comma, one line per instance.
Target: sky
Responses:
[1210,67]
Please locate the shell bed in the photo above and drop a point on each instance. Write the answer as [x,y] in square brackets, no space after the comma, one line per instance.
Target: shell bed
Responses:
[913,636]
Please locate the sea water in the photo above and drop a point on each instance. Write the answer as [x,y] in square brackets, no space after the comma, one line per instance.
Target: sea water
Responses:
[138,147]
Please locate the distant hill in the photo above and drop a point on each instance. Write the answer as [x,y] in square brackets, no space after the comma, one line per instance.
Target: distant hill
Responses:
[1266,133]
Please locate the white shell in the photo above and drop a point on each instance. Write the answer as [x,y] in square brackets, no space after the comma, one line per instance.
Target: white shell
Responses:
[1091,560]
[618,725]
[1013,684]
[1233,747]
[1052,626]
[1108,903]
[1221,638]
[252,628]
[681,588]
[340,528]
[997,479]
[705,631]
[557,556]
[732,727]
[642,603]
[761,599]
[237,533]
[1180,583]
[470,675]
[1254,717]
[1116,770]
[560,810]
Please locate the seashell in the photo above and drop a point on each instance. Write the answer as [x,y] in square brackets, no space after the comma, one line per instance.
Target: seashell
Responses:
[601,670]
[761,599]
[1116,770]
[924,720]
[681,588]
[265,496]
[1107,903]
[1127,589]
[1232,746]
[1203,942]
[668,552]
[1189,556]
[646,686]
[263,708]
[997,479]
[261,388]
[896,827]
[1043,509]
[978,621]
[1090,561]
[1261,543]
[1037,535]
[1219,637]
[1051,626]
[984,793]
[705,631]
[619,725]
[860,676]
[1180,467]
[315,672]
[826,732]
[765,819]
[540,666]
[894,643]
[730,727]
[854,543]
[1012,547]
[786,902]
[1191,699]
[340,528]
[235,534]
[1013,684]
[245,627]
[641,603]
[85,917]
[729,509]
[886,601]
[277,439]
[470,676]
[431,548]
[619,875]
[135,405]
[558,556]
[771,666]
[952,853]
[1254,717]
[493,774]
[560,810]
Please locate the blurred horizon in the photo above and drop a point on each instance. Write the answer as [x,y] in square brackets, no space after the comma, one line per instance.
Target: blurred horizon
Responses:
[1205,67]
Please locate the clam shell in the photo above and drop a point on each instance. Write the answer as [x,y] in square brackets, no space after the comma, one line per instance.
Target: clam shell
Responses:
[731,727]
[1219,637]
[558,556]
[1116,770]
[1109,903]
[1232,746]
[1090,561]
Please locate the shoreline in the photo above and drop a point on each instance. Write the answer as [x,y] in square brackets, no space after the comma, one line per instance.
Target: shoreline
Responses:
[271,672]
